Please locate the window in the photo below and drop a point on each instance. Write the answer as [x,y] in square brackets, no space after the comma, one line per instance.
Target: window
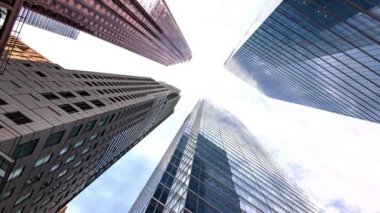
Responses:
[83,93]
[55,187]
[77,164]
[67,94]
[16,173]
[41,74]
[20,210]
[70,177]
[64,150]
[46,202]
[102,122]
[62,173]
[24,149]
[79,143]
[2,102]
[38,198]
[24,197]
[75,131]
[4,166]
[32,180]
[83,105]
[71,158]
[18,118]
[109,121]
[64,188]
[85,150]
[97,103]
[50,96]
[6,194]
[94,136]
[55,167]
[27,65]
[54,138]
[42,160]
[89,126]
[68,108]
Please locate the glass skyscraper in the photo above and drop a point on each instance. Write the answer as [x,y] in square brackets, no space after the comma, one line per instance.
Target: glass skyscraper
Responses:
[214,164]
[319,53]
[145,27]
[45,23]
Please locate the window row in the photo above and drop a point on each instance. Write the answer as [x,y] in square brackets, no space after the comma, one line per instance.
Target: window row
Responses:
[110,77]
[65,94]
[82,105]
[27,148]
[120,90]
[46,158]
[100,83]
[127,97]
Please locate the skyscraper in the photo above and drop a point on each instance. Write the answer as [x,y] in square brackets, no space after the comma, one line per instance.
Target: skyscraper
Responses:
[61,129]
[42,22]
[144,27]
[19,50]
[215,165]
[319,53]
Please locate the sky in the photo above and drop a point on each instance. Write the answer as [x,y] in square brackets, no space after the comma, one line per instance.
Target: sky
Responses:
[333,158]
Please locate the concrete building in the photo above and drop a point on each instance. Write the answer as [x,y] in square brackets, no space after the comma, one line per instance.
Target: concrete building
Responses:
[145,27]
[318,53]
[19,50]
[61,129]
[215,165]
[45,23]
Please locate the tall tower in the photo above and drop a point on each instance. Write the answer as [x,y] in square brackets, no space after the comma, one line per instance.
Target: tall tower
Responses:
[319,53]
[16,49]
[215,165]
[144,27]
[42,22]
[61,129]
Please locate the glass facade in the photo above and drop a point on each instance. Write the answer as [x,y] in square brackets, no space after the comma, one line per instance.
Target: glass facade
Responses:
[48,24]
[147,28]
[215,165]
[319,53]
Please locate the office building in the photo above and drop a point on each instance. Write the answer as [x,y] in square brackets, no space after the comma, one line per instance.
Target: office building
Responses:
[318,53]
[145,27]
[61,129]
[19,50]
[215,165]
[45,23]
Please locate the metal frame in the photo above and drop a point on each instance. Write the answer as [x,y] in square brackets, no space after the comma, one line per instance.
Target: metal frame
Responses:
[12,15]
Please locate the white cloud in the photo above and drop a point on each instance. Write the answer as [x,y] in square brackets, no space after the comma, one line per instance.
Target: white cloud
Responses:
[332,157]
